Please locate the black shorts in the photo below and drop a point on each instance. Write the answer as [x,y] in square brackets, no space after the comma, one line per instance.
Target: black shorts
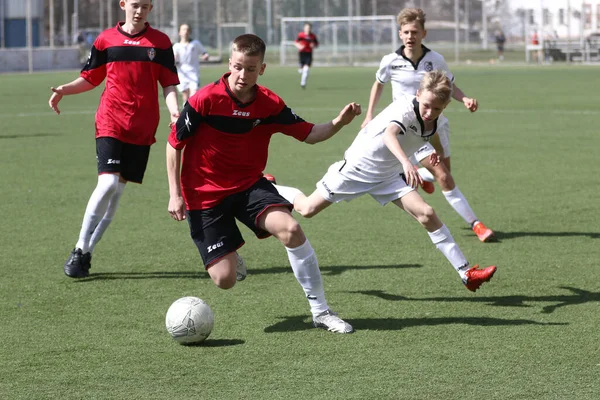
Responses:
[129,160]
[214,230]
[305,58]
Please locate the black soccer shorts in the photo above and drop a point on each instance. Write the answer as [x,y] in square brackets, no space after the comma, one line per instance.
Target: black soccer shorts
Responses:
[305,58]
[214,230]
[127,159]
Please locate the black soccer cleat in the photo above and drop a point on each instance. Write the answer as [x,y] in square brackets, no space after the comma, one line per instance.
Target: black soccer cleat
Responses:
[78,264]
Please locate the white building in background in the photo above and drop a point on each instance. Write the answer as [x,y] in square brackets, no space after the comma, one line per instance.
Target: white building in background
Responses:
[564,19]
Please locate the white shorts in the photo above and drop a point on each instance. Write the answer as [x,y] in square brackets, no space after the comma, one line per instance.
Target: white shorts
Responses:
[336,187]
[188,81]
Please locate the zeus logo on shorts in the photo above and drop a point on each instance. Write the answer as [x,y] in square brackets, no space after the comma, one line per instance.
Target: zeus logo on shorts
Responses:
[111,161]
[214,246]
[241,113]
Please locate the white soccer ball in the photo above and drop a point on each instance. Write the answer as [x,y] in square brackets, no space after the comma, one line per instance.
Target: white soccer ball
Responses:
[189,320]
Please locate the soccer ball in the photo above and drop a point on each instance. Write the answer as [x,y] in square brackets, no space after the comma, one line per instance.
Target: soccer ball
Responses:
[189,320]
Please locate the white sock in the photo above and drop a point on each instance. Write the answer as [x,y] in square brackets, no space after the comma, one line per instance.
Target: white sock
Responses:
[96,208]
[306,270]
[108,217]
[426,175]
[443,240]
[460,205]
[287,192]
[304,75]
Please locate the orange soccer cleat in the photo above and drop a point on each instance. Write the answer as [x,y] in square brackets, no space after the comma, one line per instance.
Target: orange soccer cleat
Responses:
[475,277]
[270,178]
[483,232]
[428,187]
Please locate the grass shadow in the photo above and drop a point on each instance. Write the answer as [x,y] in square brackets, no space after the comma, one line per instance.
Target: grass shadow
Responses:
[499,235]
[577,296]
[217,343]
[329,270]
[27,135]
[298,323]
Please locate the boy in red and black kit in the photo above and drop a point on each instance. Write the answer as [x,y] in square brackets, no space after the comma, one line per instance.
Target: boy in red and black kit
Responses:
[132,57]
[305,42]
[225,129]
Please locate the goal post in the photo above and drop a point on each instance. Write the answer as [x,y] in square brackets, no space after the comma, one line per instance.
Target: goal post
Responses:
[360,40]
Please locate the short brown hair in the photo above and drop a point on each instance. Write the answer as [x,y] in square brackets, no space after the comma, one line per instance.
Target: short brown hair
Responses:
[250,45]
[410,15]
[437,83]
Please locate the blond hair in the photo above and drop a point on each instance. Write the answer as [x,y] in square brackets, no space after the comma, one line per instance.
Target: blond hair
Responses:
[250,45]
[410,15]
[438,83]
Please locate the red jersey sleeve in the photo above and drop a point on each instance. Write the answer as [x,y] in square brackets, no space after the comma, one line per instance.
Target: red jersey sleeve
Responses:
[94,71]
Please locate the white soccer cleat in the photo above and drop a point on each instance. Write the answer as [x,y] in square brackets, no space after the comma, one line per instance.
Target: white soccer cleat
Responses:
[241,270]
[330,321]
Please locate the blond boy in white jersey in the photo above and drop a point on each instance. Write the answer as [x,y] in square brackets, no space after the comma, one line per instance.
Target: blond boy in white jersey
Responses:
[405,68]
[377,163]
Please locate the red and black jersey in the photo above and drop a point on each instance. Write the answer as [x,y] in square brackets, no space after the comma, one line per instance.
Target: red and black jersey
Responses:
[305,40]
[132,66]
[226,142]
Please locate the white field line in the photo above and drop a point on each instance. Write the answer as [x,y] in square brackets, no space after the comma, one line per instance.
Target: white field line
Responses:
[51,113]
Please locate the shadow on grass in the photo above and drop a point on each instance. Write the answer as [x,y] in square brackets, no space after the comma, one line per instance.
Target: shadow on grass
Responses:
[577,296]
[27,135]
[217,343]
[331,270]
[298,323]
[499,235]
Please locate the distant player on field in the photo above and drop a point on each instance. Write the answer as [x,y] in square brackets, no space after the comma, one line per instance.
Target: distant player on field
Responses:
[225,129]
[305,43]
[187,58]
[377,163]
[405,68]
[133,58]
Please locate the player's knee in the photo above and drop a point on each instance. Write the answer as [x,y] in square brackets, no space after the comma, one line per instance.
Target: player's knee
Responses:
[292,235]
[426,215]
[108,183]
[224,281]
[445,180]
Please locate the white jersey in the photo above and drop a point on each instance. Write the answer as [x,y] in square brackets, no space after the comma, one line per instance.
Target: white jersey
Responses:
[187,56]
[406,76]
[368,159]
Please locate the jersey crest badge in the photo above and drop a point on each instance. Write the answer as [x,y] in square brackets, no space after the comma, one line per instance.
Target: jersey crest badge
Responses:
[428,66]
[151,54]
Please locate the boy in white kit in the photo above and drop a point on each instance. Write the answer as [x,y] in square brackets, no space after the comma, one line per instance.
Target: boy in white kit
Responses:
[404,69]
[187,58]
[377,163]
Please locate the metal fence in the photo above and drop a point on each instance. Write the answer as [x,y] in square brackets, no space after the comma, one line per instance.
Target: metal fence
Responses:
[463,30]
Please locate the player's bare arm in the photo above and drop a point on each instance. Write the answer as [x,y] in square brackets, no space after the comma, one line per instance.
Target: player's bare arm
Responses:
[322,132]
[79,85]
[389,139]
[176,203]
[170,94]
[470,103]
[374,97]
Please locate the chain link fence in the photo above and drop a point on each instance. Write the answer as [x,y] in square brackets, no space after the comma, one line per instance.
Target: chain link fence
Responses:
[38,32]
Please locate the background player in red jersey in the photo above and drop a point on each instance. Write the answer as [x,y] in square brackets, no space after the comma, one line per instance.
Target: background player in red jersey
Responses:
[225,129]
[132,57]
[305,42]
